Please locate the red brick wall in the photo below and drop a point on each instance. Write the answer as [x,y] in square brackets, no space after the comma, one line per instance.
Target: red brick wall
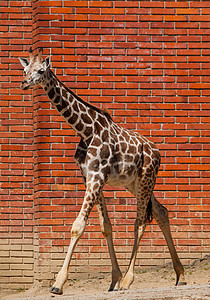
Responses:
[148,63]
[16,139]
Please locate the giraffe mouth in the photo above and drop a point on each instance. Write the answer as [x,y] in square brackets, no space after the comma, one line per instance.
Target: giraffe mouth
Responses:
[25,88]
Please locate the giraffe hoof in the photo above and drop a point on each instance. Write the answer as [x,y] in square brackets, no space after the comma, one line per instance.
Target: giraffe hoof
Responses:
[181,283]
[180,280]
[112,289]
[56,290]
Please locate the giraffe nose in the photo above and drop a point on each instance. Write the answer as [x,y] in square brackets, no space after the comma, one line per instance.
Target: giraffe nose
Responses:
[23,85]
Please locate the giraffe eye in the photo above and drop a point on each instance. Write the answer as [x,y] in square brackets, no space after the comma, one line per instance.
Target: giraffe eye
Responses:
[41,71]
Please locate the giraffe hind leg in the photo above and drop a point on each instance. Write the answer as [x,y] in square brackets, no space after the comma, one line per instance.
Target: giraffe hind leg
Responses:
[143,213]
[160,214]
[129,276]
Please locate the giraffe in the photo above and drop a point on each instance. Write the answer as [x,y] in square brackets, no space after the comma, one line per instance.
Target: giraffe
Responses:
[106,154]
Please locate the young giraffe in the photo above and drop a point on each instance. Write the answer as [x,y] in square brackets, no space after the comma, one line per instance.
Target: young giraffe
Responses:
[107,154]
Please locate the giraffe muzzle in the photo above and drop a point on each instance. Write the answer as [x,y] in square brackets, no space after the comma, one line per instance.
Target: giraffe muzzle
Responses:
[24,85]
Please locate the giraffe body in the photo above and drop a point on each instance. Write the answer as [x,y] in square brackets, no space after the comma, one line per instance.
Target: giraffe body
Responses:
[107,154]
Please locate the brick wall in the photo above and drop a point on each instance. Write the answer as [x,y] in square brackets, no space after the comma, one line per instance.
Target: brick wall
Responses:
[148,63]
[16,139]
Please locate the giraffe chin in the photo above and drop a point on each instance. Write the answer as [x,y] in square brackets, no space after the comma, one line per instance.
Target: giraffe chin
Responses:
[25,88]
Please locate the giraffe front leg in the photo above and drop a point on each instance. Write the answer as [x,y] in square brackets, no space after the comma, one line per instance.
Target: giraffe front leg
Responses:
[78,228]
[76,232]
[106,229]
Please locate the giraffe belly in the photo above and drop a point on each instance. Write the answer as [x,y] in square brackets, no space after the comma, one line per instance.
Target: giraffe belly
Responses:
[117,182]
[122,175]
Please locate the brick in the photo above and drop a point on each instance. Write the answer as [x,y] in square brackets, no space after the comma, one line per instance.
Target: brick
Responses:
[189,11]
[175,18]
[112,11]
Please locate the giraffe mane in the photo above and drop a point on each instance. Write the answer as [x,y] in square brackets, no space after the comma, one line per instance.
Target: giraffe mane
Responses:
[102,111]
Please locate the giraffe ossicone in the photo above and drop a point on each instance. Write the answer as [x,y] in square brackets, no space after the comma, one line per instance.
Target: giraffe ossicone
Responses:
[106,154]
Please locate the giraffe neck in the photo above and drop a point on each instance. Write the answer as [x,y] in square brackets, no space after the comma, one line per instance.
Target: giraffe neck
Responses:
[84,118]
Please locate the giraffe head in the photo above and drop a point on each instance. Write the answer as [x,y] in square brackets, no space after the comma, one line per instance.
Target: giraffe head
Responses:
[34,69]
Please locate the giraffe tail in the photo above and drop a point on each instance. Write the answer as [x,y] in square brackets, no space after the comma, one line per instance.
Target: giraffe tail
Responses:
[149,215]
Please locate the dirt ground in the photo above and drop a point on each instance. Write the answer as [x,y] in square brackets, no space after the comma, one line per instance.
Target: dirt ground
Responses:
[155,283]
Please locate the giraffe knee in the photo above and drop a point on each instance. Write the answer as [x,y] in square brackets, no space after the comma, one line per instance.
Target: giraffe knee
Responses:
[78,228]
[163,215]
[106,228]
[160,212]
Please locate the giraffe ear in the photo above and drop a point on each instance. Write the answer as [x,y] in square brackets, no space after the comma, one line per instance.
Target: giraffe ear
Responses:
[24,62]
[47,62]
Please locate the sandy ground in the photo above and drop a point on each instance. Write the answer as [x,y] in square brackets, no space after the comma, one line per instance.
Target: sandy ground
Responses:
[155,283]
